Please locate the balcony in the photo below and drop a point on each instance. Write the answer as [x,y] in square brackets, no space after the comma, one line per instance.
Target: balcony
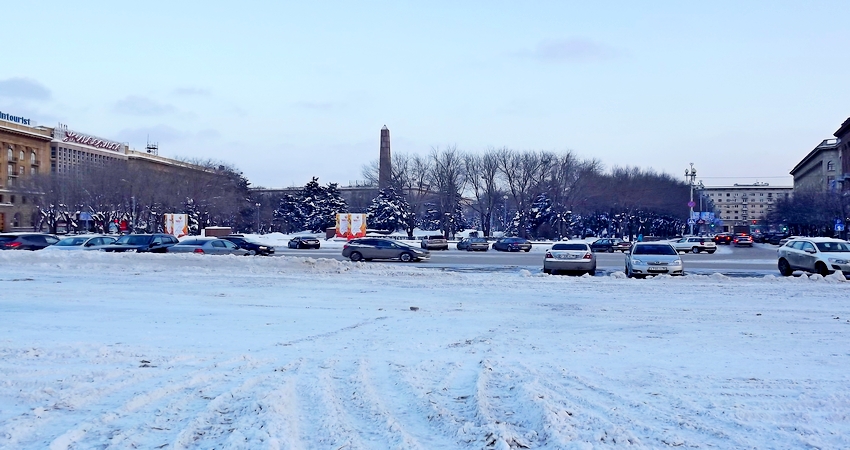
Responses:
[35,163]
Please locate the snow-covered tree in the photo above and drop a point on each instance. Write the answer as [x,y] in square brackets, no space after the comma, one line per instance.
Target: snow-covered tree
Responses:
[390,212]
[289,214]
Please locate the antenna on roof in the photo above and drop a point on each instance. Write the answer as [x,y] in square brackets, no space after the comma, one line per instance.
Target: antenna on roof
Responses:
[152,147]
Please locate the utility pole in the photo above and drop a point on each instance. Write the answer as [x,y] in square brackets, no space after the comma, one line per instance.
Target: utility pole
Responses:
[690,175]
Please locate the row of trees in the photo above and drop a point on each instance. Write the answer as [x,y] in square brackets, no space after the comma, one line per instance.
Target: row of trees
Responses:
[526,193]
[210,192]
[314,208]
[811,213]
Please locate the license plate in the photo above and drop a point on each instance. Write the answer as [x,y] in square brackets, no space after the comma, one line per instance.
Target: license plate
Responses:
[657,269]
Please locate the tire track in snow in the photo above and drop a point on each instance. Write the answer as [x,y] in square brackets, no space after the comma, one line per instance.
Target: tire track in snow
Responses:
[368,413]
[168,388]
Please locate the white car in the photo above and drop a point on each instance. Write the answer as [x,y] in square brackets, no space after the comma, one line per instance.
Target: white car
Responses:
[695,244]
[571,256]
[82,242]
[653,258]
[816,255]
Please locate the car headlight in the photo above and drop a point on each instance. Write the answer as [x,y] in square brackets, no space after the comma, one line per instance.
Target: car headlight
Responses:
[637,261]
[676,261]
[838,261]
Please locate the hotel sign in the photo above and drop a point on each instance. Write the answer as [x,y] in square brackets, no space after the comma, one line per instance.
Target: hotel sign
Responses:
[83,139]
[15,119]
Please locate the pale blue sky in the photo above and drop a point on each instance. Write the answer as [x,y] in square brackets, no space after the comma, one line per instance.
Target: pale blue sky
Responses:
[287,91]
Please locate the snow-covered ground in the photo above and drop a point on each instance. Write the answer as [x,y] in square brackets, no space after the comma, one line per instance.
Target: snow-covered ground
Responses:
[184,351]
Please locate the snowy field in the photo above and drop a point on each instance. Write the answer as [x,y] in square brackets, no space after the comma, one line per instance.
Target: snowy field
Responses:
[184,351]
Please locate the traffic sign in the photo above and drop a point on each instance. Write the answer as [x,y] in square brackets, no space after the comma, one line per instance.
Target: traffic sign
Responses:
[691,221]
[691,204]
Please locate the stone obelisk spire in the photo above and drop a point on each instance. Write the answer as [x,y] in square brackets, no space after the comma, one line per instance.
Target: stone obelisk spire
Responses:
[385,168]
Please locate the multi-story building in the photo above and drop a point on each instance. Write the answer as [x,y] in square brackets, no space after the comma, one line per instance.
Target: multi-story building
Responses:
[744,204]
[843,136]
[70,149]
[24,149]
[820,170]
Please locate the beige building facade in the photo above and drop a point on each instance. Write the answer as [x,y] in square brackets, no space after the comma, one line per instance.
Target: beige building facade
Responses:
[24,151]
[744,204]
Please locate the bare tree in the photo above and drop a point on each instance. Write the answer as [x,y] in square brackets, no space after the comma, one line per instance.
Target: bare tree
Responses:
[481,172]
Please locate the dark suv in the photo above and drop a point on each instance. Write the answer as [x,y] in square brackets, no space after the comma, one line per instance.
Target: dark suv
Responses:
[254,248]
[142,243]
[26,241]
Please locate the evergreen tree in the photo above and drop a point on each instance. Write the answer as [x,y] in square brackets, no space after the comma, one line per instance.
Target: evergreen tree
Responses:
[328,206]
[289,214]
[389,212]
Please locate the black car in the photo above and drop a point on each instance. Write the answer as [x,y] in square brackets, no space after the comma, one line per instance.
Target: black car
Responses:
[142,243]
[26,241]
[512,244]
[610,245]
[723,238]
[303,242]
[253,247]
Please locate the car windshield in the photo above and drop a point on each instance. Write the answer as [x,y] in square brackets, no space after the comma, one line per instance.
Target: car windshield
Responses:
[132,240]
[7,238]
[582,247]
[72,242]
[477,240]
[654,249]
[833,247]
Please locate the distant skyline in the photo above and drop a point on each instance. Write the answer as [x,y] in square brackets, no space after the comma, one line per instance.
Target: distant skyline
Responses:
[288,91]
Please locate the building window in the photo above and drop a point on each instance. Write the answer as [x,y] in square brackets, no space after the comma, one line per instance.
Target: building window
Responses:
[33,170]
[23,200]
[12,199]
[32,158]
[10,169]
[830,166]
[727,194]
[20,170]
[10,154]
[21,156]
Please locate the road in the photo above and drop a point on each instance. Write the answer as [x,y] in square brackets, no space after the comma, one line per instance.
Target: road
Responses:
[758,260]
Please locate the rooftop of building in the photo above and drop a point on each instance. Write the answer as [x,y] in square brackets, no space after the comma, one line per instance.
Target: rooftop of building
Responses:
[826,144]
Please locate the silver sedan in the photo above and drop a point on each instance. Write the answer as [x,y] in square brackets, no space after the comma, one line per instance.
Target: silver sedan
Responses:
[207,246]
[570,257]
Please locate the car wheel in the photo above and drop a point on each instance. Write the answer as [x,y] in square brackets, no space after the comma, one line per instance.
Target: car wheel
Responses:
[695,250]
[527,250]
[405,257]
[611,250]
[711,252]
[251,252]
[821,268]
[547,271]
[592,272]
[355,256]
[785,268]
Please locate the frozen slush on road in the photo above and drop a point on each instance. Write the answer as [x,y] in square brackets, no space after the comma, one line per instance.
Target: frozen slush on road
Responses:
[120,350]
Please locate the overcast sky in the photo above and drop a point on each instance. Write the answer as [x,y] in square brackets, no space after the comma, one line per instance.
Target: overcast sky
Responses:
[287,91]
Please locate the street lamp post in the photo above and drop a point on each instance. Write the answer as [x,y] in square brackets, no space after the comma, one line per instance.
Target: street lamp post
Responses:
[505,223]
[258,217]
[691,174]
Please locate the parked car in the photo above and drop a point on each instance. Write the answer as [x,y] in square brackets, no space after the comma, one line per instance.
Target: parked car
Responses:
[82,242]
[816,255]
[610,245]
[653,258]
[142,243]
[475,244]
[512,244]
[570,256]
[26,241]
[743,240]
[775,238]
[723,238]
[785,240]
[300,242]
[435,242]
[207,246]
[367,249]
[253,247]
[758,237]
[695,244]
